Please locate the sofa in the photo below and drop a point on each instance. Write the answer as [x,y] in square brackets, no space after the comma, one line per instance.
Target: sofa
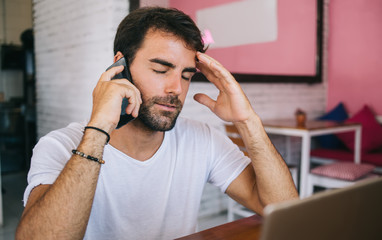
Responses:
[340,147]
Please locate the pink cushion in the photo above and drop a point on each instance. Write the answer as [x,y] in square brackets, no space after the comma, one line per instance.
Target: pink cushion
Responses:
[344,170]
[371,131]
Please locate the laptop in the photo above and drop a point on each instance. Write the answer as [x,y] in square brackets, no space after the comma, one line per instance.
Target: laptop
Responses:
[349,213]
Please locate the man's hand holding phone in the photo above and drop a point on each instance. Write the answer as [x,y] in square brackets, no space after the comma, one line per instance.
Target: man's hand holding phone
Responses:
[108,96]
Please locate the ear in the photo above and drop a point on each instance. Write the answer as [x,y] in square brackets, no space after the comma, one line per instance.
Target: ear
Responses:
[118,56]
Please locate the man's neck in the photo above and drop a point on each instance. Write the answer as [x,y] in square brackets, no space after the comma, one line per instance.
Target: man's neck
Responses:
[136,140]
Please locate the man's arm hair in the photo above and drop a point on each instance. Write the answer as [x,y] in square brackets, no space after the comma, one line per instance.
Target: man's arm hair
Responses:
[267,180]
[62,210]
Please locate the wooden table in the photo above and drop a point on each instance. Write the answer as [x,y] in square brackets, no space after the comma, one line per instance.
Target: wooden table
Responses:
[246,228]
[289,127]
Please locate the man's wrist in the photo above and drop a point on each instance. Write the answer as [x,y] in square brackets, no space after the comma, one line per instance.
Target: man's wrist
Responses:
[252,128]
[107,127]
[99,130]
[252,122]
[97,134]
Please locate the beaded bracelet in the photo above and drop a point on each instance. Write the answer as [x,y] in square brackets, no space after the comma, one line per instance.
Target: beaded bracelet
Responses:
[100,130]
[81,154]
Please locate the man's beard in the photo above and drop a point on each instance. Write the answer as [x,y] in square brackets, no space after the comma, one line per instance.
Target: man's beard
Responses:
[158,120]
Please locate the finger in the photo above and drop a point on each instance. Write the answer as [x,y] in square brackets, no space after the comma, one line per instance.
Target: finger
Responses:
[123,81]
[202,57]
[215,72]
[109,74]
[135,102]
[209,75]
[135,110]
[214,67]
[205,100]
[204,66]
[131,92]
[130,109]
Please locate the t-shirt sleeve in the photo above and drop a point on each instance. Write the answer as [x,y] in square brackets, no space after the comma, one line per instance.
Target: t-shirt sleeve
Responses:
[49,157]
[228,161]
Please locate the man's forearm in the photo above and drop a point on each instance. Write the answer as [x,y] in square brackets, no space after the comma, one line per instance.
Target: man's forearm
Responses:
[62,212]
[273,179]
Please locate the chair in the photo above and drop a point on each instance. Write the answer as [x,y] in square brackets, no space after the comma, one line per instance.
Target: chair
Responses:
[333,159]
[337,171]
[234,208]
[338,175]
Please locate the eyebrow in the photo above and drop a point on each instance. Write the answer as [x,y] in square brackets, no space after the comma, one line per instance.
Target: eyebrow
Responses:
[189,69]
[170,65]
[162,62]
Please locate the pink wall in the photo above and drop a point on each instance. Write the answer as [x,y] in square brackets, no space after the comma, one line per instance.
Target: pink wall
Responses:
[292,53]
[354,57]
[355,54]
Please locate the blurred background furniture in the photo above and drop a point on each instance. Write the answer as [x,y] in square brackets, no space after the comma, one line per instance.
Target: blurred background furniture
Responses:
[333,154]
[18,113]
[289,127]
[338,175]
[12,146]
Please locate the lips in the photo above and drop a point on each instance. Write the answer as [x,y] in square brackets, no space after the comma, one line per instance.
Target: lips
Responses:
[168,106]
[168,103]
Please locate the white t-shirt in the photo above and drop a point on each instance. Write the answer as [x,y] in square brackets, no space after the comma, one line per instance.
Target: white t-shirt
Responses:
[155,199]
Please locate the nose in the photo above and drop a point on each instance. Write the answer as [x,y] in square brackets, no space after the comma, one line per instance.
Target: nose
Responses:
[174,84]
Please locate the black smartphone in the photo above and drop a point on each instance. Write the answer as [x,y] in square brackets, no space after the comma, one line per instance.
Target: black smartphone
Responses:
[124,118]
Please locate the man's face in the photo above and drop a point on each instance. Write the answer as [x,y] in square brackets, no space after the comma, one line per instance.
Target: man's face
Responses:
[162,71]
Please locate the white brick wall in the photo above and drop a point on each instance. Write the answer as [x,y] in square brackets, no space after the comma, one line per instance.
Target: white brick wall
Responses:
[74,46]
[269,100]
[74,42]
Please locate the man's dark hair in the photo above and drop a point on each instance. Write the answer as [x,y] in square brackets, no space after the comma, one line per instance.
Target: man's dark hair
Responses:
[133,28]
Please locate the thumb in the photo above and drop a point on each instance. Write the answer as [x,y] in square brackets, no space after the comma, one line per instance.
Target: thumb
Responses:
[205,100]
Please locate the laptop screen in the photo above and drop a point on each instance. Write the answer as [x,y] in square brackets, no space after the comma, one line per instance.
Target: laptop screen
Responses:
[353,212]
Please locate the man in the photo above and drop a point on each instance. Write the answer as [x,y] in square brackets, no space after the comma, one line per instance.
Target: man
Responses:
[155,166]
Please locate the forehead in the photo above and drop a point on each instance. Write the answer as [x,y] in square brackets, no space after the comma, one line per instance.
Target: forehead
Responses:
[156,34]
[158,43]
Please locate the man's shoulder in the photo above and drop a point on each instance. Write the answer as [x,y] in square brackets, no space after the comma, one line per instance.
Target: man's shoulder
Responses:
[73,132]
[54,149]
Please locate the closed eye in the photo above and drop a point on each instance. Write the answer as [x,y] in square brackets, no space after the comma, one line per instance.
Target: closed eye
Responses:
[183,76]
[157,71]
[187,77]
